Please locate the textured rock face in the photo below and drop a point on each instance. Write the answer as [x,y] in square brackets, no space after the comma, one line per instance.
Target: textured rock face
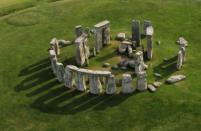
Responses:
[182,42]
[102,34]
[54,44]
[179,60]
[141,81]
[95,84]
[157,84]
[81,84]
[60,72]
[136,35]
[139,62]
[111,85]
[68,77]
[147,23]
[82,51]
[121,36]
[78,31]
[53,59]
[126,84]
[149,47]
[151,88]
[183,50]
[174,79]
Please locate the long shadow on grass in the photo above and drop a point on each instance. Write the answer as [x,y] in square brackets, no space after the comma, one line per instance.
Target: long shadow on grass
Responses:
[166,68]
[64,101]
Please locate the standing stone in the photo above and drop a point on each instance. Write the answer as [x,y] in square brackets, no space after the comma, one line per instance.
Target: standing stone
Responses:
[68,78]
[60,72]
[179,60]
[147,23]
[136,36]
[78,31]
[139,62]
[82,51]
[130,51]
[81,84]
[127,84]
[95,84]
[183,50]
[111,85]
[102,34]
[149,47]
[53,60]
[55,46]
[141,81]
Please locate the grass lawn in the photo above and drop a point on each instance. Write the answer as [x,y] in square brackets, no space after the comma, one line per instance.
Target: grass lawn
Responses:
[32,99]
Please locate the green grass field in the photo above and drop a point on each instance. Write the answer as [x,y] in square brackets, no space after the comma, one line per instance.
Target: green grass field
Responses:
[32,99]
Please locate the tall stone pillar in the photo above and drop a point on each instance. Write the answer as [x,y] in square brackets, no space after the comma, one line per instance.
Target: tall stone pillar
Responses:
[136,35]
[53,60]
[95,84]
[81,84]
[60,72]
[139,65]
[183,50]
[99,43]
[141,81]
[146,24]
[68,78]
[149,47]
[78,31]
[110,85]
[127,84]
[107,35]
[55,46]
[179,60]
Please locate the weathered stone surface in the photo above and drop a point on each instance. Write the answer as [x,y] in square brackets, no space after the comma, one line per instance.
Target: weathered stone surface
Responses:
[68,76]
[150,31]
[130,51]
[158,42]
[157,75]
[147,23]
[124,62]
[78,30]
[115,67]
[174,79]
[151,88]
[102,34]
[82,51]
[141,81]
[126,84]
[95,84]
[125,46]
[106,64]
[182,42]
[179,60]
[54,65]
[81,84]
[157,84]
[55,46]
[183,50]
[121,36]
[64,42]
[131,63]
[139,62]
[124,68]
[60,72]
[149,47]
[111,85]
[136,35]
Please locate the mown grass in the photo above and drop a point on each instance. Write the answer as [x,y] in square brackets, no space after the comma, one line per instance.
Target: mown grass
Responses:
[32,99]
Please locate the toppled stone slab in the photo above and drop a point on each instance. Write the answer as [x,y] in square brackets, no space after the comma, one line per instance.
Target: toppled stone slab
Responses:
[151,88]
[121,36]
[64,42]
[174,79]
[106,64]
[157,75]
[157,84]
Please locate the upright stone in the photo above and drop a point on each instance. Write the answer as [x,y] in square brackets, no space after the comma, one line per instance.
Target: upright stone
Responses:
[95,84]
[78,31]
[183,50]
[81,84]
[136,36]
[141,81]
[139,62]
[126,84]
[53,60]
[55,46]
[149,47]
[68,78]
[102,34]
[111,85]
[60,72]
[147,23]
[179,60]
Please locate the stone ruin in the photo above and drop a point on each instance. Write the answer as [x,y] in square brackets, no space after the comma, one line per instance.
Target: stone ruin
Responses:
[99,81]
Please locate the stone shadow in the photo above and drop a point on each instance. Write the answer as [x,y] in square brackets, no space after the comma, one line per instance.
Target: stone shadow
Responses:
[166,68]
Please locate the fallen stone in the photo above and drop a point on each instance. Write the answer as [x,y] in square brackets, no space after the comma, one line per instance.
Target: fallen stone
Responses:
[124,68]
[124,63]
[157,84]
[106,64]
[151,88]
[64,42]
[157,75]
[158,42]
[174,79]
[121,36]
